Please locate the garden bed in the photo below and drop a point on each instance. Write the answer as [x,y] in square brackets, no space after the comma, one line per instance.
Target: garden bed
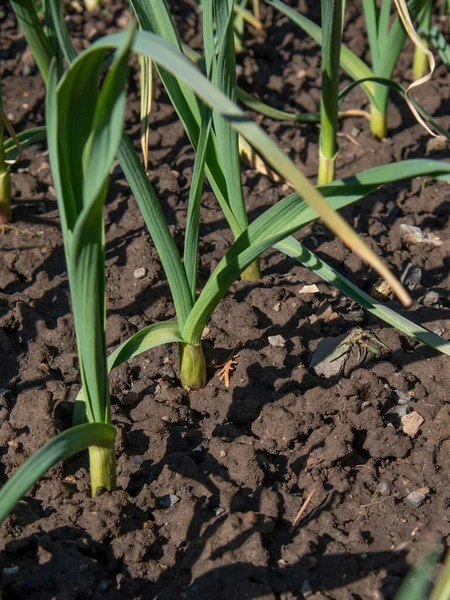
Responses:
[210,481]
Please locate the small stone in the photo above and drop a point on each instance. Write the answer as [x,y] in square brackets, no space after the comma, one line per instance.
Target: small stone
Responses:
[381,290]
[277,307]
[411,423]
[430,299]
[414,235]
[438,331]
[404,399]
[219,511]
[412,276]
[384,488]
[10,570]
[277,341]
[222,454]
[140,273]
[309,289]
[206,331]
[365,404]
[26,70]
[415,499]
[169,500]
[436,144]
[354,132]
[137,461]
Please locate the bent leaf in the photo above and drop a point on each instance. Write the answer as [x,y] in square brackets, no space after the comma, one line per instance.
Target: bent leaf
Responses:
[62,446]
[294,249]
[166,332]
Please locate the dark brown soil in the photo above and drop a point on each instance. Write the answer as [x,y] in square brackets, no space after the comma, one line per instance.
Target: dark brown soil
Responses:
[241,460]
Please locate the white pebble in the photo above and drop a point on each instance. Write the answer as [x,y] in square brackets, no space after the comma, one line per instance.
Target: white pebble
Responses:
[277,341]
[140,273]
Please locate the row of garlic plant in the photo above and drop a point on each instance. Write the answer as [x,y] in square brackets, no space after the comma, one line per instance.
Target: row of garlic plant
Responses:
[85,132]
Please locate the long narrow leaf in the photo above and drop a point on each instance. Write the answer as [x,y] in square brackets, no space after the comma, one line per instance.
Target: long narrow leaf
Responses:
[170,58]
[294,249]
[157,225]
[166,332]
[25,139]
[28,19]
[193,215]
[284,218]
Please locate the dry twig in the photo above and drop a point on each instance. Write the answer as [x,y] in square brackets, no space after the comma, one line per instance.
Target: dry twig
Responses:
[301,511]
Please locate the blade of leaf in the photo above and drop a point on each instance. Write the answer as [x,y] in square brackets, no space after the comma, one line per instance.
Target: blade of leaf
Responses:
[25,138]
[284,218]
[146,83]
[193,214]
[28,19]
[294,249]
[157,334]
[157,225]
[218,16]
[164,53]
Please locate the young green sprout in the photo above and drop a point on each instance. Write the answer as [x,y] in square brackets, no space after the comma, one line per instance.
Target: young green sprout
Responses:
[10,151]
[332,21]
[5,175]
[386,43]
[82,146]
[420,62]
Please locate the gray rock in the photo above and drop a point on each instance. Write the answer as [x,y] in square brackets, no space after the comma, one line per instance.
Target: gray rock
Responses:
[414,235]
[415,499]
[400,410]
[412,276]
[169,500]
[430,299]
[324,362]
[404,399]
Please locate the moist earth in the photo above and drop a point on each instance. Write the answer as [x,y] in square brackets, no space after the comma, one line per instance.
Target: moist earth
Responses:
[210,481]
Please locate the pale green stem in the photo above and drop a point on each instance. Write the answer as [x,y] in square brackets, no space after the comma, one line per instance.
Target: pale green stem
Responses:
[420,63]
[102,464]
[327,169]
[378,122]
[5,178]
[252,272]
[329,105]
[192,366]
